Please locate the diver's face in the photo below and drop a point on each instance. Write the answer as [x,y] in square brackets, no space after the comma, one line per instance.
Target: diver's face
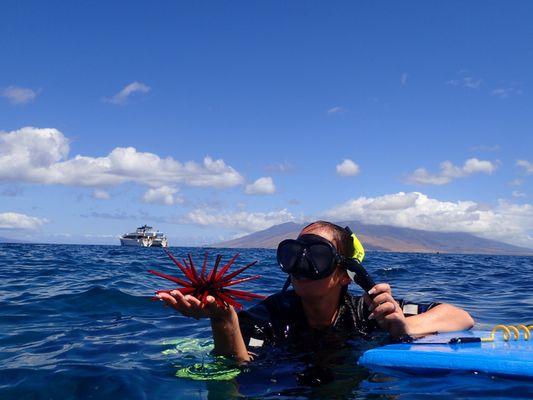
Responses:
[317,288]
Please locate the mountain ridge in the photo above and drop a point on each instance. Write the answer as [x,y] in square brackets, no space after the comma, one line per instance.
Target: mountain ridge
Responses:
[386,238]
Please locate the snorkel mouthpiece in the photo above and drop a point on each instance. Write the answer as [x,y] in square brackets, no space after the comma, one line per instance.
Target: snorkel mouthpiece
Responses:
[359,275]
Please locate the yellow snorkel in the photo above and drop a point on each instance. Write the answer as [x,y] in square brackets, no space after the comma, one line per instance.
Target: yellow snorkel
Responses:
[359,251]
[354,267]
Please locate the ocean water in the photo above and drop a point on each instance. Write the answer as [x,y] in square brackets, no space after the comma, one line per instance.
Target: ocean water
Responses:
[76,322]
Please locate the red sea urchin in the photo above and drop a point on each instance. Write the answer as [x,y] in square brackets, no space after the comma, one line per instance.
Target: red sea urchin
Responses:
[213,283]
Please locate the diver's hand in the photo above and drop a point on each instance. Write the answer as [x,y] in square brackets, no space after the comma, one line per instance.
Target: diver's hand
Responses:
[385,310]
[190,306]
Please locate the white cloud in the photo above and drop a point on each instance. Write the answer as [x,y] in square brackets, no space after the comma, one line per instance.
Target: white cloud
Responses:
[335,110]
[473,165]
[516,182]
[466,82]
[505,92]
[448,172]
[36,155]
[347,168]
[18,95]
[11,220]
[242,221]
[162,195]
[526,165]
[123,96]
[263,185]
[508,222]
[101,194]
[403,79]
[516,193]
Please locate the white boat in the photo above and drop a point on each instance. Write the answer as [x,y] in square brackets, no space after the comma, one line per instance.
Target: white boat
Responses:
[160,240]
[144,236]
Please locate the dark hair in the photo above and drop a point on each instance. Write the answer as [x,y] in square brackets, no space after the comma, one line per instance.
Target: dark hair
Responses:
[341,237]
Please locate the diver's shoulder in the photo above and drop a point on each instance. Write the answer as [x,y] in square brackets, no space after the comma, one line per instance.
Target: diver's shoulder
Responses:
[278,306]
[277,300]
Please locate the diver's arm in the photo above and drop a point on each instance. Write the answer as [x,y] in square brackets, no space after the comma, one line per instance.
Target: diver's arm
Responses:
[441,318]
[390,317]
[224,322]
[228,337]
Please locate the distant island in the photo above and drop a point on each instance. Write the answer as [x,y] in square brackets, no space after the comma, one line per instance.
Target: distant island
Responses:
[386,238]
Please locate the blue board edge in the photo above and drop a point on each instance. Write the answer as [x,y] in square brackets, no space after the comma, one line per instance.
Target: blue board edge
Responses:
[514,358]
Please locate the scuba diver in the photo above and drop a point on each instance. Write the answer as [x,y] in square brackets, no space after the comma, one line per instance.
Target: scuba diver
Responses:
[320,263]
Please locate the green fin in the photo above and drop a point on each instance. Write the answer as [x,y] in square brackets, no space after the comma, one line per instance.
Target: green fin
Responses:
[192,349]
[216,371]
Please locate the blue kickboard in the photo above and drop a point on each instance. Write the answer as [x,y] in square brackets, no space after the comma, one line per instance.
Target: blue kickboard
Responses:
[514,358]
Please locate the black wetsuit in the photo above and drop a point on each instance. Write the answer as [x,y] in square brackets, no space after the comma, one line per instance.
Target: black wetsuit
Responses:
[280,319]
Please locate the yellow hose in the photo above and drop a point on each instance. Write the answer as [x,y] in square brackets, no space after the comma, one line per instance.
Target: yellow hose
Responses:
[507,330]
[527,334]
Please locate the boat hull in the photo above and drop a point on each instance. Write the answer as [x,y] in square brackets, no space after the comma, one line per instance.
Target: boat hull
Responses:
[160,243]
[135,242]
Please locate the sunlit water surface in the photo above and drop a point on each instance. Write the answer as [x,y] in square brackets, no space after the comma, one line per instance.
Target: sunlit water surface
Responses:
[77,322]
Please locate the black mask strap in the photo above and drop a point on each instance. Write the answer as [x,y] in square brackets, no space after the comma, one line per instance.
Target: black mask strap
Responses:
[286,285]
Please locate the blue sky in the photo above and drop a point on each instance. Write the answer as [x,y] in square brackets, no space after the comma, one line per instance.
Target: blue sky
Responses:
[102,105]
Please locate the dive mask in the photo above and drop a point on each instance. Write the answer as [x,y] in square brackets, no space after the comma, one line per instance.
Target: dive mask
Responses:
[314,257]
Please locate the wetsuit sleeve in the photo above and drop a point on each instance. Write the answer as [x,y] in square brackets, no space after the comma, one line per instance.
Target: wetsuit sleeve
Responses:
[410,308]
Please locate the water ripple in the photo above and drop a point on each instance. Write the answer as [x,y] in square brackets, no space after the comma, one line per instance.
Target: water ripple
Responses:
[77,322]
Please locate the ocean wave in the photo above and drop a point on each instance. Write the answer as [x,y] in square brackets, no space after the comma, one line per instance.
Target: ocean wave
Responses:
[78,320]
